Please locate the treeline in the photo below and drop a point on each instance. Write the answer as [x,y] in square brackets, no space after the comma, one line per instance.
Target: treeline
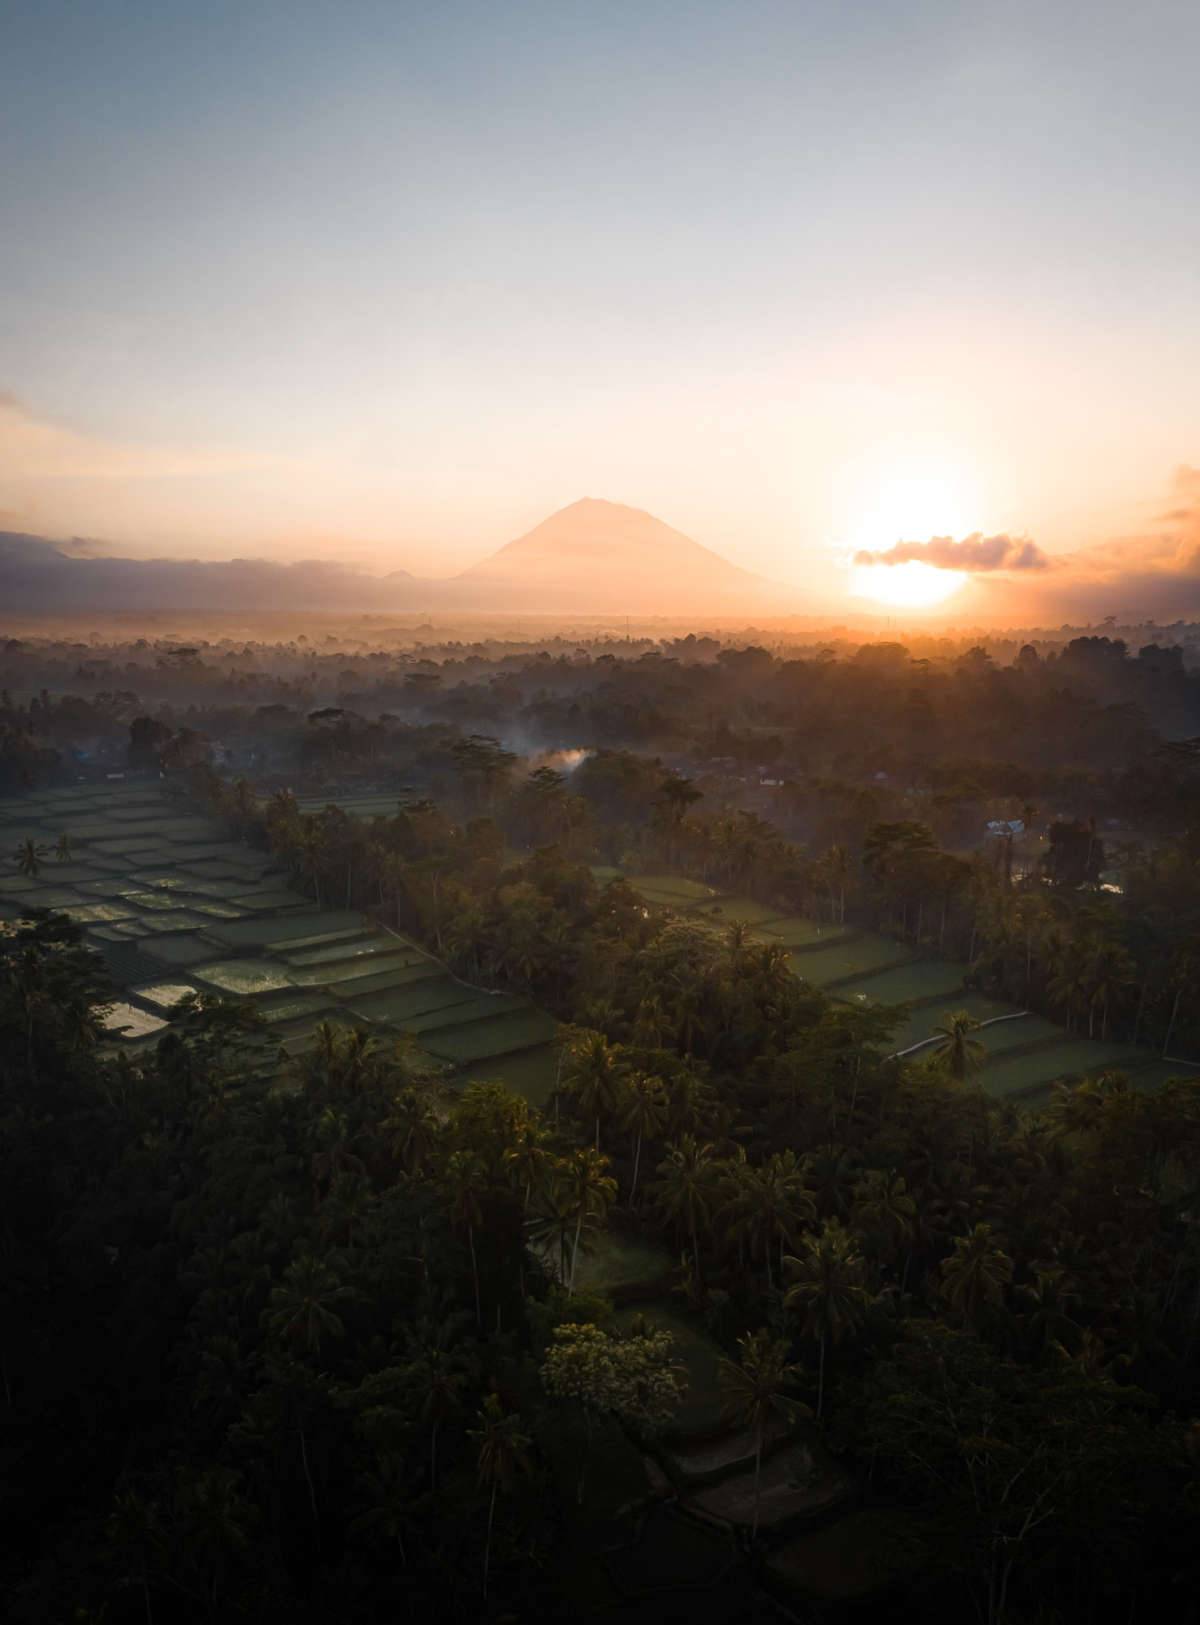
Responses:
[1032,920]
[852,731]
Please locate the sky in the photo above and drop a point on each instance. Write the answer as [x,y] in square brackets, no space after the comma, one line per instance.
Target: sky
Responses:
[389,282]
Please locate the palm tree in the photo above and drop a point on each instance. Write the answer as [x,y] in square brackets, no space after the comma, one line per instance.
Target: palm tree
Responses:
[827,1274]
[755,1384]
[334,1155]
[464,1178]
[553,1224]
[134,1526]
[644,1112]
[737,939]
[833,869]
[831,1174]
[961,1053]
[1051,1294]
[1078,1109]
[301,1307]
[310,851]
[29,857]
[412,1129]
[593,1073]
[686,1187]
[439,1371]
[62,850]
[1112,972]
[976,1275]
[1071,986]
[529,1159]
[651,1023]
[767,1203]
[503,1449]
[885,1211]
[589,1189]
[393,1509]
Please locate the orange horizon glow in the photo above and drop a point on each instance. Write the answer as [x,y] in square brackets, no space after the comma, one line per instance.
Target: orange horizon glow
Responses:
[907,586]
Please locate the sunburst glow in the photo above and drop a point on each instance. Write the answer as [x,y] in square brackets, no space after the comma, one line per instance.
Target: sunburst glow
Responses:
[908,586]
[911,500]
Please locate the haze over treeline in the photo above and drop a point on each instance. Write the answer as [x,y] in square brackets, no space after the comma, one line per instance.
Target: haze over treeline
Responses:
[597,557]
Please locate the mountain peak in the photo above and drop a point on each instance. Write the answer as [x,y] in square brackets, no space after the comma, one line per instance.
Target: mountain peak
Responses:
[597,554]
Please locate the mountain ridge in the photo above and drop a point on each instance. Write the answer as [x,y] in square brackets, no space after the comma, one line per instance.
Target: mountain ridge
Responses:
[593,556]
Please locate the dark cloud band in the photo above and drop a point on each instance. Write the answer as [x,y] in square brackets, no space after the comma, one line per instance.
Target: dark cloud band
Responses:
[975,552]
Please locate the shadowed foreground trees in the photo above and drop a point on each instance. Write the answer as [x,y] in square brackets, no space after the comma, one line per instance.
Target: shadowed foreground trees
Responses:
[1008,1468]
[760,1382]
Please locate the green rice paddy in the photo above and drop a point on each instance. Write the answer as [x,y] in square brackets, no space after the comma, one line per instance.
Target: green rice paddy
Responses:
[476,1040]
[854,956]
[794,931]
[735,911]
[530,1073]
[1024,1056]
[159,893]
[906,984]
[677,886]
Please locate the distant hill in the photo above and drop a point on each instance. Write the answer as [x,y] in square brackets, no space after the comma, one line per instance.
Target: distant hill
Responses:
[36,576]
[591,558]
[602,557]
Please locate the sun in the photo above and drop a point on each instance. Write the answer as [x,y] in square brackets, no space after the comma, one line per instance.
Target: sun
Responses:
[908,586]
[907,500]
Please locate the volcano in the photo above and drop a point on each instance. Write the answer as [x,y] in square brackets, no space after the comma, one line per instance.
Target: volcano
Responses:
[598,556]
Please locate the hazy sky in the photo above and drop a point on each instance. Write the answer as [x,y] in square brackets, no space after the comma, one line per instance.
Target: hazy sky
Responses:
[390,282]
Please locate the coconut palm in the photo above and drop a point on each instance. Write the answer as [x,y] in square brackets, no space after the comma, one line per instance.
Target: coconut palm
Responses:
[553,1225]
[975,1276]
[1112,972]
[643,1112]
[1078,1110]
[503,1451]
[411,1129]
[651,1023]
[310,851]
[755,1384]
[827,1276]
[29,857]
[737,940]
[687,1187]
[960,1053]
[589,1190]
[593,1072]
[301,1307]
[831,1175]
[63,849]
[439,1372]
[464,1179]
[1050,1296]
[766,1204]
[529,1161]
[885,1211]
[1070,985]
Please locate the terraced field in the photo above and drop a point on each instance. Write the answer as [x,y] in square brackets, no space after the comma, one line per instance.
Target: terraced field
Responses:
[1025,1053]
[176,907]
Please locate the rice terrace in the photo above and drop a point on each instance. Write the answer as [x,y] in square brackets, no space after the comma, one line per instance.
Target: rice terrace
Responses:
[176,907]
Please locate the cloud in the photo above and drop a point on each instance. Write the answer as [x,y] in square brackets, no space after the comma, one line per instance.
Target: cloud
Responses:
[974,553]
